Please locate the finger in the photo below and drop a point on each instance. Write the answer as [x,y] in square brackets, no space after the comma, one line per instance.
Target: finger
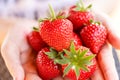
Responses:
[10,54]
[97,74]
[107,64]
[31,72]
[113,36]
[32,76]
[88,79]
[30,68]
[58,78]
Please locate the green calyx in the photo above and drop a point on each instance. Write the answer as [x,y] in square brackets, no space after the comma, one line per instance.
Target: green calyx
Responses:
[53,54]
[53,16]
[35,29]
[94,22]
[75,59]
[72,58]
[80,6]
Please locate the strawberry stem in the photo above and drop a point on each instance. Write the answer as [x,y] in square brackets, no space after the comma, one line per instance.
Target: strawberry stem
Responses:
[53,16]
[52,12]
[82,4]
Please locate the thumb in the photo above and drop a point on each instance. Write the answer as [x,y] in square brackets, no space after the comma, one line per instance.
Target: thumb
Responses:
[12,60]
[97,75]
[107,64]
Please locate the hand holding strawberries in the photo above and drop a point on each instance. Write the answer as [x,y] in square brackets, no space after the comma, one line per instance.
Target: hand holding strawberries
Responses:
[67,57]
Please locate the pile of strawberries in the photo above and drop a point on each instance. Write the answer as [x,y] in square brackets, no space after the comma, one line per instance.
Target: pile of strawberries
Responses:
[65,45]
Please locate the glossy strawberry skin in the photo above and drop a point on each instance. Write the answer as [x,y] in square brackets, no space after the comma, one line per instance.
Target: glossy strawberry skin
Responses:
[94,36]
[83,74]
[79,18]
[46,68]
[36,41]
[76,39]
[57,33]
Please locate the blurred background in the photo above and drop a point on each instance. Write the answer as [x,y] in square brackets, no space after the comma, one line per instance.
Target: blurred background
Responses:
[11,10]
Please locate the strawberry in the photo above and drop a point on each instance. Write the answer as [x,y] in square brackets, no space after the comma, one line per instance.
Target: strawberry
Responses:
[76,40]
[94,36]
[46,68]
[79,15]
[36,41]
[56,32]
[77,64]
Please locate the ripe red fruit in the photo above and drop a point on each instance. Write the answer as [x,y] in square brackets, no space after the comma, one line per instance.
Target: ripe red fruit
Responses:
[57,32]
[36,41]
[77,64]
[47,70]
[80,16]
[83,74]
[76,40]
[94,36]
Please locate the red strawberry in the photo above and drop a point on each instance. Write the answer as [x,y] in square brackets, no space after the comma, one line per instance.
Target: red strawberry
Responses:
[36,41]
[78,64]
[76,40]
[57,32]
[46,68]
[94,36]
[80,16]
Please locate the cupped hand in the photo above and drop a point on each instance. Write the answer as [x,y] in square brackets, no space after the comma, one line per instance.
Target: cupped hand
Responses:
[17,53]
[106,69]
[20,58]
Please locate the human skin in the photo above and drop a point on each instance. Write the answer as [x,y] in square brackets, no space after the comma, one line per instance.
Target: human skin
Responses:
[19,56]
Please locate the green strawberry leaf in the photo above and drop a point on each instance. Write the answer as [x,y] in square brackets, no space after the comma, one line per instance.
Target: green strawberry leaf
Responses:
[77,71]
[67,69]
[64,60]
[68,53]
[35,29]
[83,53]
[80,6]
[89,7]
[75,59]
[52,54]
[72,48]
[83,67]
[88,58]
[59,61]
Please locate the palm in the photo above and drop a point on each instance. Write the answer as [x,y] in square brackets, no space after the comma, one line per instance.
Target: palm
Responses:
[17,52]
[25,52]
[28,63]
[27,59]
[27,55]
[22,54]
[20,59]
